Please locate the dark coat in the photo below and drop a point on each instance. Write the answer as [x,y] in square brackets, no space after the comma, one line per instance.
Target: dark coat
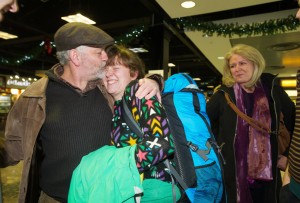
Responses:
[224,121]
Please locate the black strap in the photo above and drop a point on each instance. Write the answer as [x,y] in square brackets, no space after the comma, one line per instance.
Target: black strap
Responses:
[211,140]
[188,78]
[132,124]
[202,153]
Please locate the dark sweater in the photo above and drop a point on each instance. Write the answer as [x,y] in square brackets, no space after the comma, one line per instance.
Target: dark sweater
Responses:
[294,155]
[75,125]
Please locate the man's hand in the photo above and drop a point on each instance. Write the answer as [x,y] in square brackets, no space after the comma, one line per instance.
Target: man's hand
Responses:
[148,88]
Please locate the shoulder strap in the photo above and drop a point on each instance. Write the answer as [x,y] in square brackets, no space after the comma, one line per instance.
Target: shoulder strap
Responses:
[132,124]
[211,140]
[254,123]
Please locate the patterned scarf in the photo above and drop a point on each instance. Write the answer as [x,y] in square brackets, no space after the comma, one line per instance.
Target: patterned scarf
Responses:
[253,148]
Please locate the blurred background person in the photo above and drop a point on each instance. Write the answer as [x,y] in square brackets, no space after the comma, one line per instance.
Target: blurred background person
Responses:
[290,191]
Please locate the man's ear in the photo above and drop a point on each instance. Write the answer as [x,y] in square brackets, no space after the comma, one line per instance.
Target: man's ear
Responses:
[74,57]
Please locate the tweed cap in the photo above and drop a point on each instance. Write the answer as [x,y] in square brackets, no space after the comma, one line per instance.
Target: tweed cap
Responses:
[72,35]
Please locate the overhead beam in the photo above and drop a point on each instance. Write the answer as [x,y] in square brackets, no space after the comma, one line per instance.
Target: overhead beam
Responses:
[166,21]
[22,40]
[126,23]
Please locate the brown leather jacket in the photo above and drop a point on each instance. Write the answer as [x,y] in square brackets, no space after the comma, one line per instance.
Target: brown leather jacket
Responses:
[24,122]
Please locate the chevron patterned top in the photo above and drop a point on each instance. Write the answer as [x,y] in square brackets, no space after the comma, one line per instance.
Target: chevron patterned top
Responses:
[157,143]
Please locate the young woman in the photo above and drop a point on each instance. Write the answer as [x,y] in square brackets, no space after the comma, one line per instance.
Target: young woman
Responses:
[123,70]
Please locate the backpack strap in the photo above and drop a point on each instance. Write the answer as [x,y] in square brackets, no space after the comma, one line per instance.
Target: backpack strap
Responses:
[132,124]
[211,140]
[202,153]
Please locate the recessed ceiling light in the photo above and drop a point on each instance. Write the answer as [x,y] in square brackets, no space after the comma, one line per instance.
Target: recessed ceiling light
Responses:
[188,4]
[5,35]
[288,83]
[221,57]
[171,65]
[78,18]
[285,46]
[291,93]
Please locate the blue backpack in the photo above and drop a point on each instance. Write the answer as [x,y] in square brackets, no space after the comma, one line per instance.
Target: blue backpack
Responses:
[197,156]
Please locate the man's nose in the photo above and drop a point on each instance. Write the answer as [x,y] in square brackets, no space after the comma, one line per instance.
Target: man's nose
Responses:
[104,56]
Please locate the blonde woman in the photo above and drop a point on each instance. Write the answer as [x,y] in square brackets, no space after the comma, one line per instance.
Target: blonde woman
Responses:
[251,173]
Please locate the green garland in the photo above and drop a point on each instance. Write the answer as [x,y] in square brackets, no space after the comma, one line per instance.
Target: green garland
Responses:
[131,35]
[190,24]
[34,53]
[37,51]
[268,27]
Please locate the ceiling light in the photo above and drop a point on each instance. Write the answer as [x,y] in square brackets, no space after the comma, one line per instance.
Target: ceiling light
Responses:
[188,4]
[171,65]
[5,35]
[78,18]
[291,93]
[288,82]
[221,57]
[197,79]
[138,50]
[285,46]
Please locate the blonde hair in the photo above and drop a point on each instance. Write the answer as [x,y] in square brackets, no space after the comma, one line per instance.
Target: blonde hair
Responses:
[249,53]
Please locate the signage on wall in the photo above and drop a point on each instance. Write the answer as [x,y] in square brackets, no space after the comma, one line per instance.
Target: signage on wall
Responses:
[18,82]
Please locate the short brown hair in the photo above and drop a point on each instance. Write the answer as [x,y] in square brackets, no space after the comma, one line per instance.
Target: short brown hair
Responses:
[119,54]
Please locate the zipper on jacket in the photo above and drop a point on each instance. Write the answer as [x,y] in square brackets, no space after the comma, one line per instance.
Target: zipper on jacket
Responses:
[277,126]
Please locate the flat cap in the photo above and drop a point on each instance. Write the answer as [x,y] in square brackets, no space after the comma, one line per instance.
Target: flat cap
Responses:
[72,35]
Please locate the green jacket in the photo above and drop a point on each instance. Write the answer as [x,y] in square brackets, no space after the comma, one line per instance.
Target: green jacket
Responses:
[108,174]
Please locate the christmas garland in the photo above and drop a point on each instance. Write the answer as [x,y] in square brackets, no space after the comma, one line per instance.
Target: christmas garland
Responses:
[131,35]
[268,27]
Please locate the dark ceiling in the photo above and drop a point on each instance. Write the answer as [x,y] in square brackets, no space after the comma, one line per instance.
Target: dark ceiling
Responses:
[37,21]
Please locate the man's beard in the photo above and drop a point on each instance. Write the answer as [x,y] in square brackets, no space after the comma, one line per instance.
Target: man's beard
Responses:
[101,72]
